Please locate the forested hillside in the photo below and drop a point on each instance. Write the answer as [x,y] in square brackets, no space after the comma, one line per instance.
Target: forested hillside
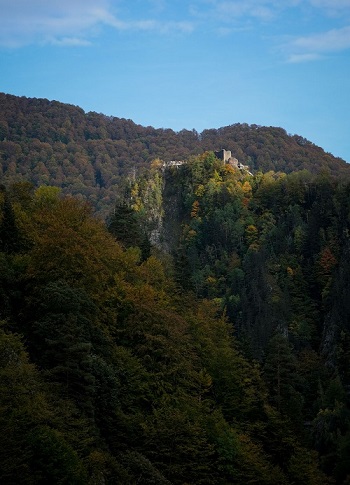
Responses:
[272,252]
[223,360]
[110,373]
[200,334]
[88,154]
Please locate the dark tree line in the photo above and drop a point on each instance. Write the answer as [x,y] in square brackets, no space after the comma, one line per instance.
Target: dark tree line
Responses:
[111,373]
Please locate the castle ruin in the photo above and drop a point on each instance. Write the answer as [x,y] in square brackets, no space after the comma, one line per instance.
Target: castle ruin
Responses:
[226,157]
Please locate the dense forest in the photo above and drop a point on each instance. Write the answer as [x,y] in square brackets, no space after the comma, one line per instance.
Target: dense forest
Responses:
[217,354]
[199,334]
[88,155]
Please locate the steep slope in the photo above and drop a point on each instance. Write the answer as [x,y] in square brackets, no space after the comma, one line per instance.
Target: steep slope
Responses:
[272,251]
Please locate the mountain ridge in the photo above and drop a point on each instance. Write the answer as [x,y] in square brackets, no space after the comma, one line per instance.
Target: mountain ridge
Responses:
[89,154]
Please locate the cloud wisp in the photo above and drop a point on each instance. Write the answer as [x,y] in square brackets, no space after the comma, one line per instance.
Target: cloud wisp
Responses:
[228,11]
[78,23]
[317,46]
[67,22]
[331,6]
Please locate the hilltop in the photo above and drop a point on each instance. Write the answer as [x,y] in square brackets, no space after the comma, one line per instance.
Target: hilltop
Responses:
[89,154]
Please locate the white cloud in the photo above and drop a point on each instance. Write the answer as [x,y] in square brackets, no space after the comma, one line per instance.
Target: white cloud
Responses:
[317,46]
[24,21]
[68,22]
[158,5]
[70,41]
[332,8]
[151,25]
[298,58]
[234,9]
[78,22]
[250,8]
[231,10]
[185,27]
[330,41]
[331,4]
[265,10]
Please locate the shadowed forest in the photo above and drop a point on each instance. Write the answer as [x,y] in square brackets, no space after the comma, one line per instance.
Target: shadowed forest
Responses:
[199,334]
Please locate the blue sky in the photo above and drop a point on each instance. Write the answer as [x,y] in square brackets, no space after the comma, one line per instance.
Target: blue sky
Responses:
[187,64]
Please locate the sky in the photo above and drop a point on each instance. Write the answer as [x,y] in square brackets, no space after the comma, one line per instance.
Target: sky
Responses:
[196,64]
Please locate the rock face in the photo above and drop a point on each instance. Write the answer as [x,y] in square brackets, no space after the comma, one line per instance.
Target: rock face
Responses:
[164,217]
[170,229]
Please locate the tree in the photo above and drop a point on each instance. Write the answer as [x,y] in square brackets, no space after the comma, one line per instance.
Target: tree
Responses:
[62,337]
[125,226]
[69,244]
[280,374]
[31,451]
[10,238]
